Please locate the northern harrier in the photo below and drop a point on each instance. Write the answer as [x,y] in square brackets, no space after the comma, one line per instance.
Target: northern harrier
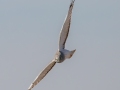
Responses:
[62,53]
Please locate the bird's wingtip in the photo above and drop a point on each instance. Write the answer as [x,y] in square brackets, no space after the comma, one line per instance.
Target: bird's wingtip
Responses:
[31,86]
[72,2]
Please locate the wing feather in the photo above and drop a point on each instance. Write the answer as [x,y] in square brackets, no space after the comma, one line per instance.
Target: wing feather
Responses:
[42,74]
[65,28]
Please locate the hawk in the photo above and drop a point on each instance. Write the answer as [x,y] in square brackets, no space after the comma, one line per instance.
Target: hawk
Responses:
[62,53]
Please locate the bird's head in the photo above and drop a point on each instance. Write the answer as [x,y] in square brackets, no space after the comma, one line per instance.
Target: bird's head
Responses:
[59,57]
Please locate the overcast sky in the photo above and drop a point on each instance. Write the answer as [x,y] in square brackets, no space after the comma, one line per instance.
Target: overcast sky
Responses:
[29,34]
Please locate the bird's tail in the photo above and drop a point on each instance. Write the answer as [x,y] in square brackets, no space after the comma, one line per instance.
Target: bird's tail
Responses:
[72,52]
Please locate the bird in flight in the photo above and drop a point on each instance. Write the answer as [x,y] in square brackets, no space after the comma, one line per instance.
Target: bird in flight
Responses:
[62,53]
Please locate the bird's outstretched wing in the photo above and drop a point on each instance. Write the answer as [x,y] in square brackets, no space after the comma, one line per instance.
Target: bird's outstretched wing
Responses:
[42,74]
[65,28]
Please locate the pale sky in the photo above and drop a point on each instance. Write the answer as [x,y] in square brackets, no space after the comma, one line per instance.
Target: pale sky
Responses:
[29,34]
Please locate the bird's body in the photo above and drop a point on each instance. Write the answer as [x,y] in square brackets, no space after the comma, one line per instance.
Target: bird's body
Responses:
[62,53]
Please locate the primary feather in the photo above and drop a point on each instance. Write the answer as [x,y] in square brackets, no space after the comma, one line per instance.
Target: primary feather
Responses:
[42,74]
[65,28]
